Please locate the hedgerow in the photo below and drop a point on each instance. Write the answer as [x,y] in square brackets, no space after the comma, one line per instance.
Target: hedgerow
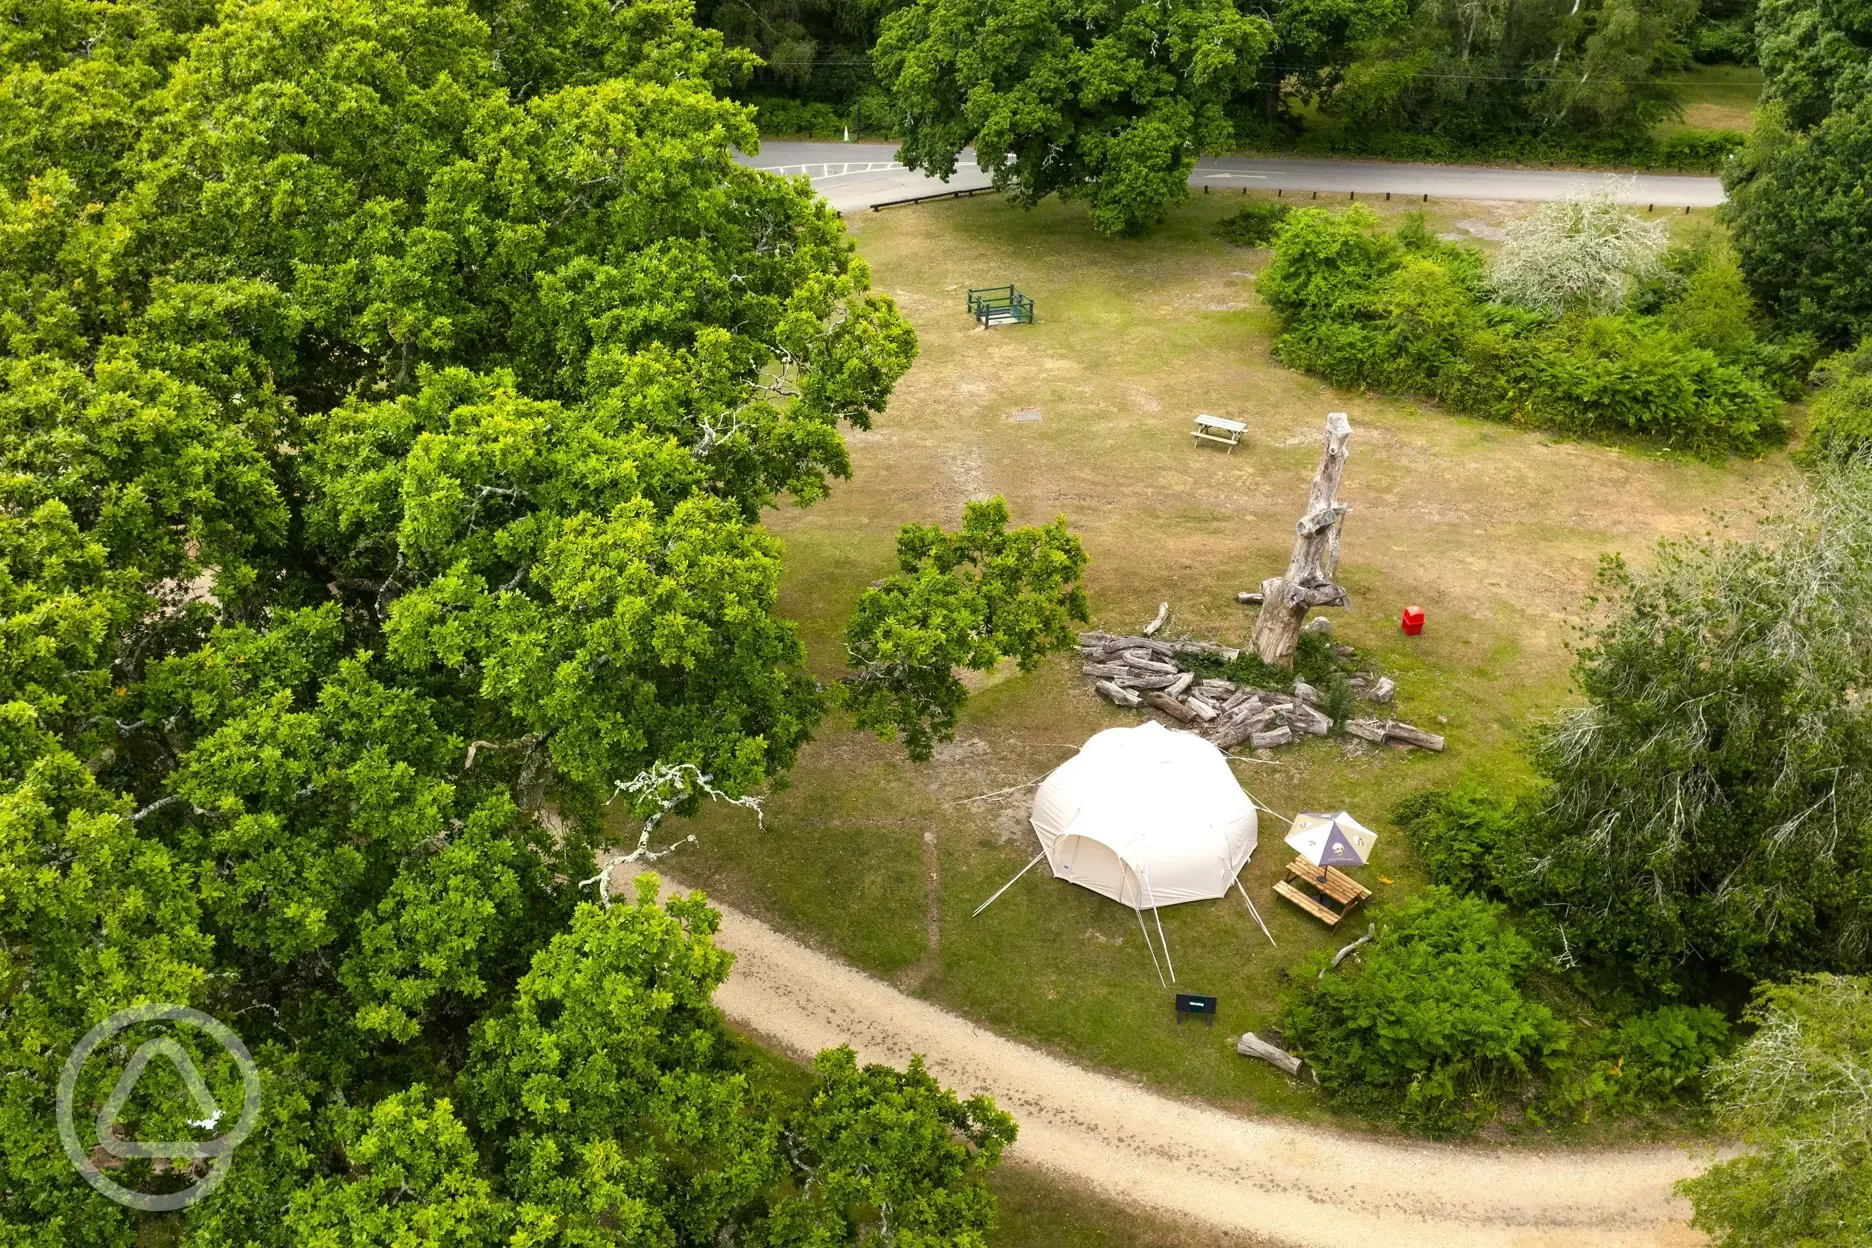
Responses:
[1406,313]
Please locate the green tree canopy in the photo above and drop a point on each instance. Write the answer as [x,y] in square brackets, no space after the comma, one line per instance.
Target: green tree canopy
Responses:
[1110,103]
[1473,68]
[1799,1093]
[1798,204]
[1705,818]
[390,393]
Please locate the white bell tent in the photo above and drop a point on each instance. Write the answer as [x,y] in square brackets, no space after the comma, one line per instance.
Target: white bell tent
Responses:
[1147,817]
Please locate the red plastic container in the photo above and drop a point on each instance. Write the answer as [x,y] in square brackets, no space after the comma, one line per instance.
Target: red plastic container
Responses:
[1412,621]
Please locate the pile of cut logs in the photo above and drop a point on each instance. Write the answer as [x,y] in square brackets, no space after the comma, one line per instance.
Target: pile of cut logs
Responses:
[1148,672]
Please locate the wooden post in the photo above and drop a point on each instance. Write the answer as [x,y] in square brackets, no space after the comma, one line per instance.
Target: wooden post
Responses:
[1309,582]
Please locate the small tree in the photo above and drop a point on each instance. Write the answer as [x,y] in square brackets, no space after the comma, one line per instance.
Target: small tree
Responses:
[959,600]
[1799,1093]
[1581,252]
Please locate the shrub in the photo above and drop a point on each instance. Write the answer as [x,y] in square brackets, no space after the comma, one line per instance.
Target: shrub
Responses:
[1580,252]
[1713,308]
[1326,264]
[1702,151]
[1631,375]
[1460,833]
[782,117]
[1647,1061]
[1405,313]
[1433,1020]
[1313,663]
[1842,412]
[1255,224]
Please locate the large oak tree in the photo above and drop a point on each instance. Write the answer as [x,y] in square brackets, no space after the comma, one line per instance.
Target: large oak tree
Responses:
[389,396]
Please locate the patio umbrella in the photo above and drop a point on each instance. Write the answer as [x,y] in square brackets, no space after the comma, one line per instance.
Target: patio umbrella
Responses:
[1332,840]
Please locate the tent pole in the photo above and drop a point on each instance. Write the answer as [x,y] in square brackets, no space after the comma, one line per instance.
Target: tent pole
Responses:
[1147,945]
[1161,938]
[1166,943]
[1010,884]
[1256,913]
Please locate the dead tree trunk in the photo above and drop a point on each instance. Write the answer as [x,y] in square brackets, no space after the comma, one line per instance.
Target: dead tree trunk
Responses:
[1315,561]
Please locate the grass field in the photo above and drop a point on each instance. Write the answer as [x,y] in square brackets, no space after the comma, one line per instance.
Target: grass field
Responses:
[1720,97]
[1495,531]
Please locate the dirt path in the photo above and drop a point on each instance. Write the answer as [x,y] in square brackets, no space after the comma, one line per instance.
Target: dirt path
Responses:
[1262,1179]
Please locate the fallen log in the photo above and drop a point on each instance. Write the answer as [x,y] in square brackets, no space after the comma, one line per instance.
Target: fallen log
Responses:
[1371,934]
[1410,735]
[1268,740]
[1217,691]
[1205,710]
[1147,680]
[1384,689]
[1142,660]
[1239,698]
[1308,720]
[1307,693]
[1117,641]
[1231,731]
[1366,730]
[1106,671]
[1226,653]
[1170,706]
[1251,1045]
[1181,684]
[1118,696]
[1163,613]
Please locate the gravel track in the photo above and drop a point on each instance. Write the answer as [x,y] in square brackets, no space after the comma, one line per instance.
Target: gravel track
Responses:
[1266,1180]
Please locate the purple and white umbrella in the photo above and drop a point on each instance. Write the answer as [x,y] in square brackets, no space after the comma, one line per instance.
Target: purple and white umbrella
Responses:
[1332,840]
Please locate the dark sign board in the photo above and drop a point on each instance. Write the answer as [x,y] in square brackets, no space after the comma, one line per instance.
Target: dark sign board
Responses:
[1199,1006]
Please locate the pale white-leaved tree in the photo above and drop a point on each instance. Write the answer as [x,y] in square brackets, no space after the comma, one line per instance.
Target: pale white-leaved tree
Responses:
[1584,251]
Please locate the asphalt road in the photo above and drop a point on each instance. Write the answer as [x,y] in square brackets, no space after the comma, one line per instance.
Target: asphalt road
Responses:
[853,176]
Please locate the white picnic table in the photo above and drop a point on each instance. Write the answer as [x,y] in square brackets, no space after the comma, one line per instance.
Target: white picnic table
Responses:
[1215,429]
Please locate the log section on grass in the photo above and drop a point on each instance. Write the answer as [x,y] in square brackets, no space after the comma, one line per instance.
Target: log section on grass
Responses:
[1251,1045]
[1315,560]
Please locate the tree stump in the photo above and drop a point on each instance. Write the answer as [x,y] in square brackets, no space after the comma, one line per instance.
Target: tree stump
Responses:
[1285,600]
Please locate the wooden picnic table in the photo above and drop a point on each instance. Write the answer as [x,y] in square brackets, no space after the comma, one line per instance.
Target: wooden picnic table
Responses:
[1317,890]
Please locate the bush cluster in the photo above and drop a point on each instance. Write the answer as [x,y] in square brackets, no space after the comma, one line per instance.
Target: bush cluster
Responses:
[1841,426]
[1406,313]
[1645,1061]
[1688,150]
[1459,834]
[867,115]
[781,117]
[1434,1021]
[1255,224]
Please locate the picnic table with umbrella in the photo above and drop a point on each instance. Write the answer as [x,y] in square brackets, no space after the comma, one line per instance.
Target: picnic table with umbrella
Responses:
[1323,844]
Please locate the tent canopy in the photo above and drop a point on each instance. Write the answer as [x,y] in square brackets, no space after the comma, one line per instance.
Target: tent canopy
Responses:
[1147,817]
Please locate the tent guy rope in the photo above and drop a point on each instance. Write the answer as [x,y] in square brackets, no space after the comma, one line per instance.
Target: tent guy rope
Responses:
[1010,884]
